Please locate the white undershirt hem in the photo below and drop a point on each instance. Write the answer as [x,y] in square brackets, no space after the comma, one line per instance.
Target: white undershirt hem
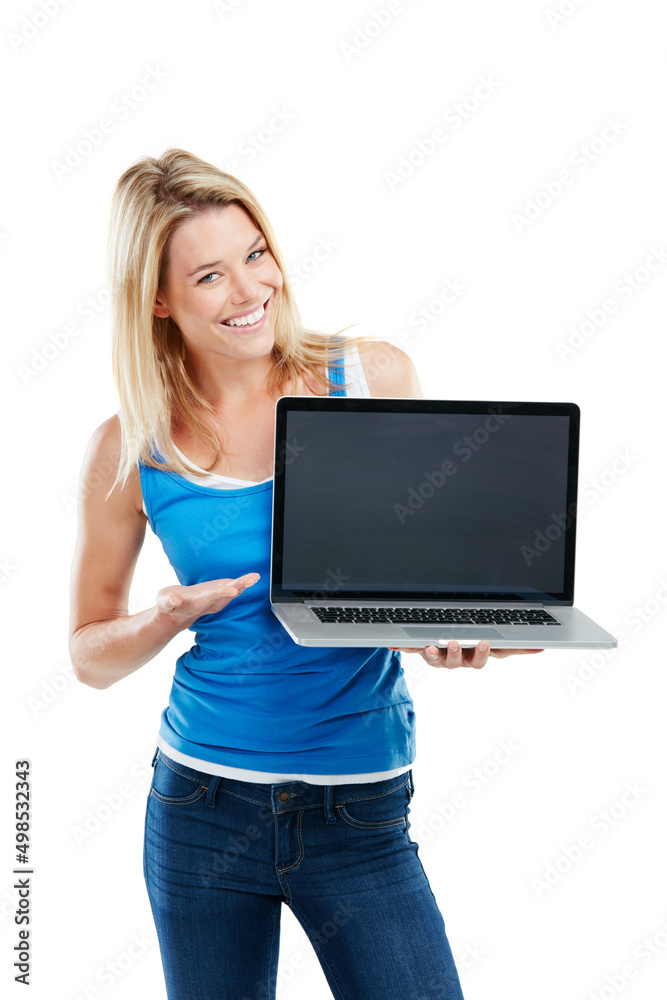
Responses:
[270,777]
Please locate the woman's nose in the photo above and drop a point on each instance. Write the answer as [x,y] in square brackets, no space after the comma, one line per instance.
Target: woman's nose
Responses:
[245,288]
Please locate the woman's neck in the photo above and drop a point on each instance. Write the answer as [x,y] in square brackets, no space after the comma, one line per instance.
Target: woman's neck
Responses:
[234,384]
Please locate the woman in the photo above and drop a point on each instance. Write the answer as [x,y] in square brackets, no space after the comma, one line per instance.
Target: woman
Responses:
[282,773]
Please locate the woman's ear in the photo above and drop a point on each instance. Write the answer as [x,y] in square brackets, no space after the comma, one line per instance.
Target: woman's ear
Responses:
[159,308]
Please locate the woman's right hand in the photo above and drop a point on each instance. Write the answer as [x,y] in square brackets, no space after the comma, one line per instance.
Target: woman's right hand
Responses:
[185,605]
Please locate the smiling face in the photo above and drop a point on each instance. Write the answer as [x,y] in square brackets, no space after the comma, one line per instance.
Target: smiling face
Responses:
[221,286]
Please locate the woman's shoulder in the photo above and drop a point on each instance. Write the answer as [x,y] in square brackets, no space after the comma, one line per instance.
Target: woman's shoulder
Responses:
[389,371]
[101,463]
[104,444]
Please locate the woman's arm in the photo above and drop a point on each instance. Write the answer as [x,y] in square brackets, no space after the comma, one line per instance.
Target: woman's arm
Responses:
[106,643]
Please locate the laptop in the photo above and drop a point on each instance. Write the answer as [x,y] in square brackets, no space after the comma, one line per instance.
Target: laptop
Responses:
[411,522]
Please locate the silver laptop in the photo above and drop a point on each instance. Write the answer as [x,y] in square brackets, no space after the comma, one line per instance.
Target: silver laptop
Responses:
[411,522]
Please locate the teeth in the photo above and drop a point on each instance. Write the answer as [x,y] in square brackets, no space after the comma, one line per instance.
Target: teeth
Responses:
[246,320]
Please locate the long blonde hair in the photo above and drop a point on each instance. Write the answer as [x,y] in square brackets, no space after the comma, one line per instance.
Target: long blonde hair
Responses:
[151,200]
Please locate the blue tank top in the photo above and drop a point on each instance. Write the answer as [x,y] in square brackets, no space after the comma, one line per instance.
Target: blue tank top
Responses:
[245,694]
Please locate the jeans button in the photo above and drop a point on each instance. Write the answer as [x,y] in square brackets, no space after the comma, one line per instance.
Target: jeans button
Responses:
[283,796]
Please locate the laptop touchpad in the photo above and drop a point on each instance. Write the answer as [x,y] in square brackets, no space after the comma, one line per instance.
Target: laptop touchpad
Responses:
[445,633]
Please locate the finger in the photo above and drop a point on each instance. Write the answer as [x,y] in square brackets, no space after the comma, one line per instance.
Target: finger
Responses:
[169,602]
[477,657]
[234,587]
[454,655]
[436,657]
[247,580]
[449,657]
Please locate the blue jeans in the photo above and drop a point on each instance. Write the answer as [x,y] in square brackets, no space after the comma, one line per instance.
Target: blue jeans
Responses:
[221,856]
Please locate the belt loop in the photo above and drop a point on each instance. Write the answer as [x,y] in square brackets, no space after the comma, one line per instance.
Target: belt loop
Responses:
[212,789]
[155,756]
[328,804]
[412,784]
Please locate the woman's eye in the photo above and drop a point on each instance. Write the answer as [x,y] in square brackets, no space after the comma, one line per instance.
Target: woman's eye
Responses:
[255,255]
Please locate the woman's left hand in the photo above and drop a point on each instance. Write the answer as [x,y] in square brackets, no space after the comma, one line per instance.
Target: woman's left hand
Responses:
[452,655]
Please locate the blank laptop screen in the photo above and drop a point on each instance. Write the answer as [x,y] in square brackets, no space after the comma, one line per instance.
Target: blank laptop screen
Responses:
[426,503]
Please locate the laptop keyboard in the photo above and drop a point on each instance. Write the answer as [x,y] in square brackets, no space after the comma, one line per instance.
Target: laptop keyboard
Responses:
[437,616]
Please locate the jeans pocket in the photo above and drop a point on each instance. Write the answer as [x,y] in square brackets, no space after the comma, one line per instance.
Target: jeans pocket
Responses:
[176,784]
[384,810]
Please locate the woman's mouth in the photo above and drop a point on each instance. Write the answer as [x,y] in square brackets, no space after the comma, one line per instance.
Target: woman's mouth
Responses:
[249,321]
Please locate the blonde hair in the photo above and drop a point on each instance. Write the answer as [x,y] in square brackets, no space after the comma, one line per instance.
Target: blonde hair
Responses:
[151,200]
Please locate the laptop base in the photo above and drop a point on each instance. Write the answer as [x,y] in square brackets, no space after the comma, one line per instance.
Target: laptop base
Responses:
[576,630]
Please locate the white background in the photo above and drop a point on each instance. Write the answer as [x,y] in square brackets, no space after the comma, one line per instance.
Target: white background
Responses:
[336,98]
